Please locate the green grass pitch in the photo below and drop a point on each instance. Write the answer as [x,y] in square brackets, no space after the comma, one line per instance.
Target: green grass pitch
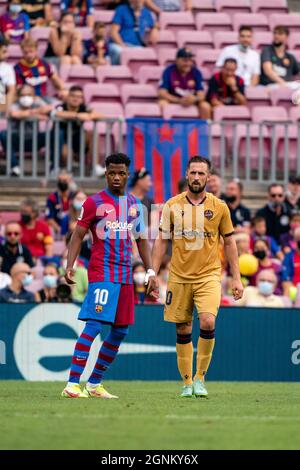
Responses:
[149,415]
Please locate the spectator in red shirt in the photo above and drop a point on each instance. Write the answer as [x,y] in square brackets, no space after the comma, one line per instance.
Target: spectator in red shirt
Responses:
[58,202]
[36,233]
[37,72]
[291,265]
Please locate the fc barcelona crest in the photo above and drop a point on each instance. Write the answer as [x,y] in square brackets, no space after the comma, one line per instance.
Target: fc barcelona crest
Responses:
[98,308]
[208,214]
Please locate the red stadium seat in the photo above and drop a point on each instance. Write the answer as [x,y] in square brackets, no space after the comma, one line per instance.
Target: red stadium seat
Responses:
[79,74]
[269,113]
[231,113]
[253,140]
[86,32]
[166,56]
[195,40]
[225,38]
[275,6]
[287,146]
[41,35]
[135,57]
[213,22]
[140,110]
[258,21]
[202,6]
[206,59]
[292,21]
[109,109]
[150,74]
[104,92]
[233,6]
[262,39]
[257,96]
[177,20]
[117,74]
[105,16]
[171,111]
[166,38]
[295,113]
[14,53]
[282,96]
[138,93]
[9,216]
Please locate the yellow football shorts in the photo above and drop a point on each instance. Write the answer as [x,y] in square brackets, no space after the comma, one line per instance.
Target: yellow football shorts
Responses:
[181,298]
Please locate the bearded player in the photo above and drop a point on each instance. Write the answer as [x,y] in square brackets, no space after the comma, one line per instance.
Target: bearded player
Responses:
[195,220]
[114,218]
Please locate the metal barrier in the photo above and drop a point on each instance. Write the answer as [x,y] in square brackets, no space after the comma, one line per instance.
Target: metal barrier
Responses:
[262,152]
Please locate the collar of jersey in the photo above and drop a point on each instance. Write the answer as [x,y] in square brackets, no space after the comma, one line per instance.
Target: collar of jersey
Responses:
[114,196]
[34,64]
[196,205]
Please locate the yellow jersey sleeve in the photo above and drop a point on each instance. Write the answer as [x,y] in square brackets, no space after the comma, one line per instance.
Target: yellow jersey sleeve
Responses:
[226,227]
[166,225]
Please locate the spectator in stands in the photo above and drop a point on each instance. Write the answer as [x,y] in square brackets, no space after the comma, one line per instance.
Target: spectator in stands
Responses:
[65,42]
[276,213]
[240,214]
[287,240]
[36,233]
[74,110]
[16,292]
[27,106]
[259,231]
[182,84]
[182,185]
[292,194]
[140,185]
[291,265]
[7,79]
[242,240]
[59,202]
[36,72]
[95,50]
[215,184]
[139,272]
[248,60]
[69,221]
[132,26]
[262,295]
[39,12]
[80,288]
[12,250]
[50,278]
[157,6]
[261,251]
[14,25]
[81,10]
[278,66]
[225,87]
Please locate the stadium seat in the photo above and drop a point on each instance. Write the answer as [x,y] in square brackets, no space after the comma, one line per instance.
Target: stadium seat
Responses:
[213,22]
[41,35]
[150,74]
[117,74]
[216,142]
[262,39]
[177,20]
[295,113]
[105,16]
[269,113]
[79,74]
[7,216]
[166,38]
[282,96]
[195,40]
[135,57]
[104,92]
[225,38]
[292,21]
[14,53]
[202,6]
[253,140]
[138,93]
[231,113]
[258,21]
[140,110]
[207,59]
[110,109]
[294,41]
[275,6]
[86,32]
[166,56]
[287,146]
[257,96]
[171,111]
[233,6]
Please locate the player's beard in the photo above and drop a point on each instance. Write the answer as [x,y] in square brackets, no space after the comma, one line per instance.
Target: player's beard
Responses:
[197,189]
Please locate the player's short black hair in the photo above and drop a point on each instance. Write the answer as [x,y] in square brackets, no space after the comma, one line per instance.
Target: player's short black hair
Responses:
[117,159]
[198,159]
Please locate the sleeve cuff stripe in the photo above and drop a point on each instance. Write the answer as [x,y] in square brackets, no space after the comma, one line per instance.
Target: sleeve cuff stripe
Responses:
[229,234]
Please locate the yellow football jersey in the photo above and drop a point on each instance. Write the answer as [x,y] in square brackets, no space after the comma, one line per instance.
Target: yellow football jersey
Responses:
[195,233]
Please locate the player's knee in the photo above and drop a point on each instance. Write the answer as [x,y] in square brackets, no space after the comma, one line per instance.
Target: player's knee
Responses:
[184,328]
[120,332]
[207,322]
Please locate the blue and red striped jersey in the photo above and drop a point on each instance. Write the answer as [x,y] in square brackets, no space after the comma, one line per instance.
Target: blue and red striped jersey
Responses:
[113,222]
[36,75]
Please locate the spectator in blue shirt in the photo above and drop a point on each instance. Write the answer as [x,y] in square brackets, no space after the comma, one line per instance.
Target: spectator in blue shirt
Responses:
[16,292]
[291,266]
[182,84]
[132,26]
[14,24]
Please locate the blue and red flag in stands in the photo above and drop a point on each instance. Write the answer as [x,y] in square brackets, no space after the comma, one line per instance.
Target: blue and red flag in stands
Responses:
[164,147]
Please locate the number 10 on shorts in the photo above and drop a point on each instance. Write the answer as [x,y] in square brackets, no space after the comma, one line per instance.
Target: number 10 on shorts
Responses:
[101,296]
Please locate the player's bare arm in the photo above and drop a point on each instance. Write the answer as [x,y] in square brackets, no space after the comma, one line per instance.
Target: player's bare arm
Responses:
[232,256]
[144,251]
[73,252]
[159,250]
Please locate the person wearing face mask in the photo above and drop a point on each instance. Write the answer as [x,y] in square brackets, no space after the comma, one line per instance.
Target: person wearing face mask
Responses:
[261,250]
[276,212]
[16,292]
[240,214]
[50,279]
[248,60]
[278,66]
[14,25]
[259,231]
[12,250]
[69,222]
[139,273]
[291,265]
[27,106]
[36,234]
[263,293]
[59,201]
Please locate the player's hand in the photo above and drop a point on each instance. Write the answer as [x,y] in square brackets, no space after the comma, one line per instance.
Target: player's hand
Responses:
[70,272]
[151,282]
[237,289]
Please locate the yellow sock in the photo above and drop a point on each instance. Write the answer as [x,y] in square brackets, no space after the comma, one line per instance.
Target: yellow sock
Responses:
[185,361]
[204,354]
